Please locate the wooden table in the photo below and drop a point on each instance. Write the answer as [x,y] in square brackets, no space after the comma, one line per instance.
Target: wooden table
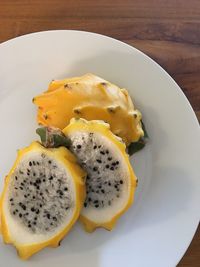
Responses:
[167,31]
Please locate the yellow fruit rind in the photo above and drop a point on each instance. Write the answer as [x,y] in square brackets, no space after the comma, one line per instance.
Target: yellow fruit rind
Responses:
[91,98]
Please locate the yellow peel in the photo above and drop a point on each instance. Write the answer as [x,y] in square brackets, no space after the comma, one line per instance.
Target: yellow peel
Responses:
[91,98]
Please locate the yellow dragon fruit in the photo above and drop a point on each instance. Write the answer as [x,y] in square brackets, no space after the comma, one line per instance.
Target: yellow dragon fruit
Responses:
[92,98]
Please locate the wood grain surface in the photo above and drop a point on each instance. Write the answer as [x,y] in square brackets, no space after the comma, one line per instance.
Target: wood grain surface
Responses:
[166,30]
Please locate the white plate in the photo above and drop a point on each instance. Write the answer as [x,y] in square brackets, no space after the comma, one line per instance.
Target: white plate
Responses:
[158,228]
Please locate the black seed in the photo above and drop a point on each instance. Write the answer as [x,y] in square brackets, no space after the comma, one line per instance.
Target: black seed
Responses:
[103,191]
[121,182]
[99,186]
[85,204]
[49,162]
[54,218]
[38,187]
[48,216]
[16,210]
[99,146]
[107,152]
[96,201]
[117,162]
[116,186]
[95,169]
[102,152]
[38,163]
[23,207]
[89,199]
[31,183]
[40,205]
[34,223]
[97,191]
[25,196]
[29,226]
[67,208]
[34,163]
[14,213]
[26,213]
[35,218]
[50,178]
[109,183]
[95,147]
[51,223]
[66,189]
[30,163]
[22,184]
[11,199]
[34,174]
[107,166]
[16,188]
[38,181]
[112,168]
[16,178]
[28,173]
[33,197]
[41,193]
[99,161]
[96,206]
[37,211]
[44,180]
[109,158]
[32,209]
[21,172]
[113,164]
[78,146]
[12,204]
[20,215]
[21,187]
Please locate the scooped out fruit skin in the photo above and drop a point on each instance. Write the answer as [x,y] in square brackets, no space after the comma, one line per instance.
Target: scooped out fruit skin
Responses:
[91,98]
[67,159]
[81,125]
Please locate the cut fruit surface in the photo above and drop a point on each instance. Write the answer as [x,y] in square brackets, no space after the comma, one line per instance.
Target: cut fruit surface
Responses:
[42,198]
[92,98]
[111,182]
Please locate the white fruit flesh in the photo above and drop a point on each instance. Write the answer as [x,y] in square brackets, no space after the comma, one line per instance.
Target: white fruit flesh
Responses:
[108,183]
[55,209]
